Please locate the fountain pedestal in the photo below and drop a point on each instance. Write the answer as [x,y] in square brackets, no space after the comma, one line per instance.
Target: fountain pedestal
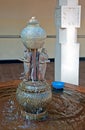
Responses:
[67,20]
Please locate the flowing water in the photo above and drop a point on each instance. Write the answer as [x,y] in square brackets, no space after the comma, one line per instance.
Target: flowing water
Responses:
[65,112]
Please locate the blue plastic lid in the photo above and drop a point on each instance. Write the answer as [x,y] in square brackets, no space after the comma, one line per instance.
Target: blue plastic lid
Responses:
[58,84]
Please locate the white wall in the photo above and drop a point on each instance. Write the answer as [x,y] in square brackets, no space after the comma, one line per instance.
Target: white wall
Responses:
[14,15]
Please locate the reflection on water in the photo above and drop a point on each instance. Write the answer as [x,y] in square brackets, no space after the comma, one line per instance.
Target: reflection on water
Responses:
[65,112]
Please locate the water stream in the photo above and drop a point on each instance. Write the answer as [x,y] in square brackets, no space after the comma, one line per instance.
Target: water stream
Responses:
[65,112]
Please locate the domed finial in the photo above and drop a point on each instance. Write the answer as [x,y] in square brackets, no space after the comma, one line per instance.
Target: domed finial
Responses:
[33,20]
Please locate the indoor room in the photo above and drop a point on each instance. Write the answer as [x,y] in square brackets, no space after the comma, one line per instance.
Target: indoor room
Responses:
[42,65]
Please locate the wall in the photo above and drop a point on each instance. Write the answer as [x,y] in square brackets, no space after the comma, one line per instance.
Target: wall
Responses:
[14,15]
[81,30]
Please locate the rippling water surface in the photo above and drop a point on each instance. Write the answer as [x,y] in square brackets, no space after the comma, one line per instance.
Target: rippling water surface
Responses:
[65,112]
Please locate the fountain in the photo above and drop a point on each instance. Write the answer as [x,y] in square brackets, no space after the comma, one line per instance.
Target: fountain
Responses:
[34,106]
[34,93]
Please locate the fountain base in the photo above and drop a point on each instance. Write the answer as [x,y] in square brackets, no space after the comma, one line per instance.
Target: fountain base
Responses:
[65,108]
[34,98]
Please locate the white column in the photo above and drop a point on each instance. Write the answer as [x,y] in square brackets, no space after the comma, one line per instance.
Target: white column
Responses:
[67,21]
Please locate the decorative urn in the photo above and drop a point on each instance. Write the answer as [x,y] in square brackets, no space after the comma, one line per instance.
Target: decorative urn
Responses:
[34,93]
[33,35]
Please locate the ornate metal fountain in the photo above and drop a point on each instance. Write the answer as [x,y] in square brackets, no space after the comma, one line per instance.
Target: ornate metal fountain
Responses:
[34,93]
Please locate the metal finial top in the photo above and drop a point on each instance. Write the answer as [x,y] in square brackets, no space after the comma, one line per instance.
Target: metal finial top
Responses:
[33,21]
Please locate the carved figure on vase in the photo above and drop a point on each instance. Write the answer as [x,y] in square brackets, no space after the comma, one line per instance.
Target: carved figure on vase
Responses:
[43,59]
[27,65]
[21,59]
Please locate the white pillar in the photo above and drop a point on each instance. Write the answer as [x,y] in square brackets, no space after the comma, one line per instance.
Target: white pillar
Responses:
[67,21]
